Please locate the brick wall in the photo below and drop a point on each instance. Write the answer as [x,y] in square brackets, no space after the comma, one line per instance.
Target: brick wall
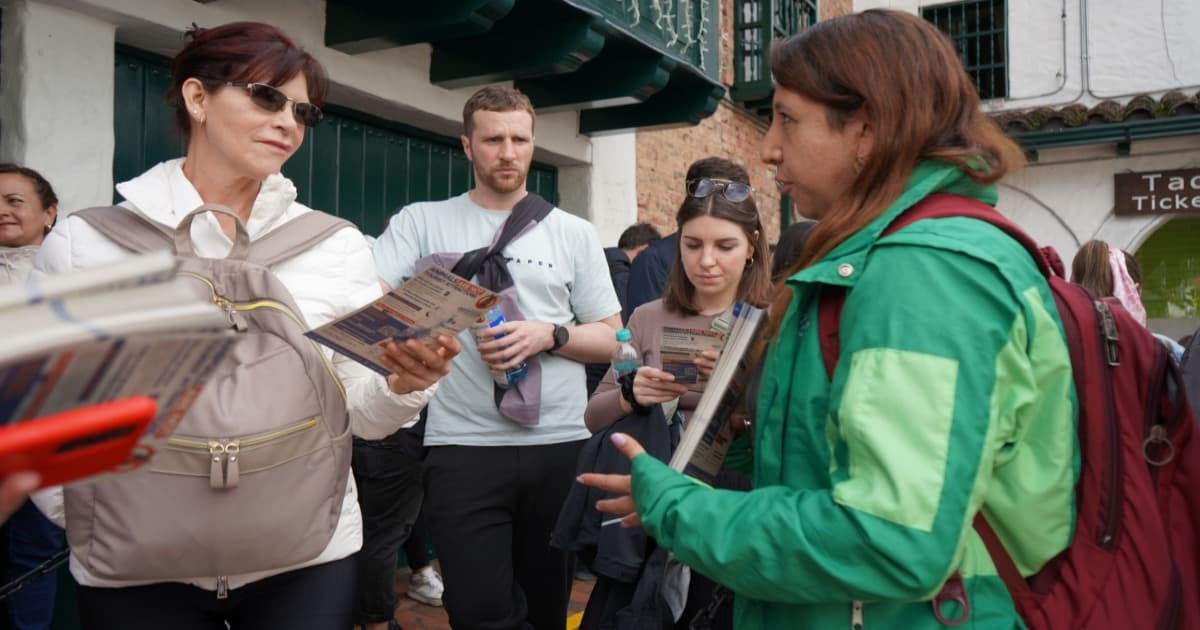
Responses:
[663,156]
[832,8]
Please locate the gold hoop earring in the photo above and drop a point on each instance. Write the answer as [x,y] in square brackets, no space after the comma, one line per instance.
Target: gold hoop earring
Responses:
[749,262]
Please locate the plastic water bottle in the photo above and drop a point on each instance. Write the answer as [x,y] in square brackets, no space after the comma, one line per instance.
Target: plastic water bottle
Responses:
[513,374]
[625,360]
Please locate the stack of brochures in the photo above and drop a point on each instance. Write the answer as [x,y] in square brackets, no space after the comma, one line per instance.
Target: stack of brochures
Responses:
[103,334]
[705,441]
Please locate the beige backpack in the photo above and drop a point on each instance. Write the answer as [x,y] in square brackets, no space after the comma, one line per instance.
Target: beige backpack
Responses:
[255,475]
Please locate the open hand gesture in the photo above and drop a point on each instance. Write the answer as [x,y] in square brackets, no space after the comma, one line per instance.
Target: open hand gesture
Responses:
[620,484]
[416,366]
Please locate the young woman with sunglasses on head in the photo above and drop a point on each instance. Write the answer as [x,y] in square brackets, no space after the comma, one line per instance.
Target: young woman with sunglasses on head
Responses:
[722,257]
[243,95]
[952,392]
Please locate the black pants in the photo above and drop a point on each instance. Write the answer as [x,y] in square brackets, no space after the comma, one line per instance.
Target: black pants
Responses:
[416,550]
[491,510]
[313,598]
[388,475]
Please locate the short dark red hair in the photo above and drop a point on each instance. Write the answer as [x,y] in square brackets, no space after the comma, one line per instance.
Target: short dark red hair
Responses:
[240,51]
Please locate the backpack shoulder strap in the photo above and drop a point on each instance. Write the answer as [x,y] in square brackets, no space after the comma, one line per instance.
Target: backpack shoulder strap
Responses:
[829,323]
[295,237]
[1189,366]
[531,209]
[944,205]
[128,229]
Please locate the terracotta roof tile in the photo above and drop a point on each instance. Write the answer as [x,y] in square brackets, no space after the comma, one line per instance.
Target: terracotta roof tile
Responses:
[1141,107]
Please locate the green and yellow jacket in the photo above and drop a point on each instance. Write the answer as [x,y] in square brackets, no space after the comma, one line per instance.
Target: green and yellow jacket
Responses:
[952,393]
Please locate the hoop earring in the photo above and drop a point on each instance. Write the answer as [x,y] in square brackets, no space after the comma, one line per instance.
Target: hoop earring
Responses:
[859,163]
[749,262]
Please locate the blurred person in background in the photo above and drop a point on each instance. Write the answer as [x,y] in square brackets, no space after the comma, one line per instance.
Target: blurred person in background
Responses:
[28,210]
[1109,271]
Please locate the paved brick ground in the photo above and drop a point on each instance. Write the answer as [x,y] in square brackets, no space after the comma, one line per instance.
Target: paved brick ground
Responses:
[413,615]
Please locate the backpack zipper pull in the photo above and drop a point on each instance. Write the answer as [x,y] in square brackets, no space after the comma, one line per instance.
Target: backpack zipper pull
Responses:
[222,587]
[226,306]
[231,463]
[856,615]
[216,471]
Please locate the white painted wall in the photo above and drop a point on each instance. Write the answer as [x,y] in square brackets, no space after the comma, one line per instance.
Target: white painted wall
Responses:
[1066,198]
[53,117]
[1086,51]
[57,97]
[1132,46]
[612,185]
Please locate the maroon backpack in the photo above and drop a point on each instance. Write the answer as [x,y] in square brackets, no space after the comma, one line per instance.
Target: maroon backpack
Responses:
[1134,561]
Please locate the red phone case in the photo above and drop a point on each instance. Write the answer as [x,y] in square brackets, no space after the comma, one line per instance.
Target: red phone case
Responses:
[78,443]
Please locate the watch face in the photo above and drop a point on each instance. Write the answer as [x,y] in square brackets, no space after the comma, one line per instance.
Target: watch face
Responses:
[560,336]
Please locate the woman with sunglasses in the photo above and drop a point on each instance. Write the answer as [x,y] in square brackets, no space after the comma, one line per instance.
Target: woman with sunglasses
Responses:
[243,95]
[952,390]
[722,257]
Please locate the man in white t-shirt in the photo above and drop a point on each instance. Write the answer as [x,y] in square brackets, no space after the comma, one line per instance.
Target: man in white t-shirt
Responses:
[493,487]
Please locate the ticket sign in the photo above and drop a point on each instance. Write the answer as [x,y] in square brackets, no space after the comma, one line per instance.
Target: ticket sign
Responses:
[1157,192]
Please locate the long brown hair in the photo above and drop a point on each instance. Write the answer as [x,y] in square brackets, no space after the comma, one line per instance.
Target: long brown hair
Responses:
[1090,268]
[755,284]
[904,76]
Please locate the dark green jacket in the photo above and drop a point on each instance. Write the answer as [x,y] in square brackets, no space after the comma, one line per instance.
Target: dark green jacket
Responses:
[953,391]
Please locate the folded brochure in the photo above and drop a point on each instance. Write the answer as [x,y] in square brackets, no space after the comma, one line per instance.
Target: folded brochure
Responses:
[707,437]
[430,303]
[679,349]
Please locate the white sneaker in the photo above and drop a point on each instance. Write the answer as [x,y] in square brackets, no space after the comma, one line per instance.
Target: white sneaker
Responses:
[426,587]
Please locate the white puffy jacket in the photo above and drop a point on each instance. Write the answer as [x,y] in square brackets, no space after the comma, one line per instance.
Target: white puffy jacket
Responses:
[333,278]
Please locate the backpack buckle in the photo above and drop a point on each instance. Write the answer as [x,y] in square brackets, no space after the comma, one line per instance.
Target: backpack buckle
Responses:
[1108,327]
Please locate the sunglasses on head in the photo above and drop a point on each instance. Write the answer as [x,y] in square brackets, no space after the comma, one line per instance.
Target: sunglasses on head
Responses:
[735,192]
[272,100]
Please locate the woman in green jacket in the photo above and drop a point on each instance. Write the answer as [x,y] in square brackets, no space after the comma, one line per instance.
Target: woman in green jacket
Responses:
[952,392]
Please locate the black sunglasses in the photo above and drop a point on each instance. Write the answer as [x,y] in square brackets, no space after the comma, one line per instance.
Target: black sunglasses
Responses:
[272,100]
[735,192]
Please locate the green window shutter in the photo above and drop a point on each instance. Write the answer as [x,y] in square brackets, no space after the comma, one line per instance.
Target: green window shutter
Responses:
[352,165]
[752,40]
[979,31]
[756,24]
[143,126]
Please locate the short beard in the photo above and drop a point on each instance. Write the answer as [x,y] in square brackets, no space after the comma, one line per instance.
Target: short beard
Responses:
[502,186]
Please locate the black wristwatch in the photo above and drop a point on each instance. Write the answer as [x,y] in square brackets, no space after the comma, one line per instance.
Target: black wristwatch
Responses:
[626,383]
[561,337]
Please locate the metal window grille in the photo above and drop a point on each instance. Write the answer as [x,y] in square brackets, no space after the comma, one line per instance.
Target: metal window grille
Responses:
[979,32]
[793,16]
[756,24]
